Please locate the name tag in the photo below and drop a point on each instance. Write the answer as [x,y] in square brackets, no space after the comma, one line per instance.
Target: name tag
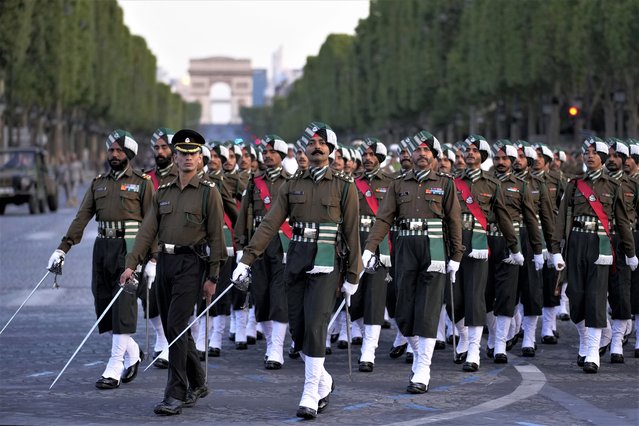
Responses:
[101,189]
[297,193]
[512,189]
[164,203]
[130,187]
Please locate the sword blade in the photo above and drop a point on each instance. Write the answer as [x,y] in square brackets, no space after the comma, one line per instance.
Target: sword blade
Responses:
[349,342]
[88,334]
[25,301]
[452,314]
[206,350]
[339,309]
[146,322]
[193,322]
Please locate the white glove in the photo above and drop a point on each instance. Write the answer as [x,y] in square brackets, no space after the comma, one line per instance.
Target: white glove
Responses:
[348,289]
[238,256]
[369,260]
[56,257]
[241,272]
[632,262]
[558,261]
[539,262]
[149,273]
[452,269]
[515,259]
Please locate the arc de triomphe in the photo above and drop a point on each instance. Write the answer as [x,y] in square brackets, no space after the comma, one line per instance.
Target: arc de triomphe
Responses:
[222,86]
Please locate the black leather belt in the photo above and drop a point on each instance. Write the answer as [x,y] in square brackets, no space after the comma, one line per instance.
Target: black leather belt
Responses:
[306,232]
[175,249]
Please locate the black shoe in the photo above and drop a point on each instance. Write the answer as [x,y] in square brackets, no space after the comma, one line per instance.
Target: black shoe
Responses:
[251,340]
[564,317]
[357,340]
[470,367]
[512,342]
[334,338]
[528,352]
[328,351]
[241,346]
[637,353]
[440,345]
[201,355]
[272,365]
[501,359]
[581,360]
[293,354]
[342,344]
[130,373]
[366,367]
[260,335]
[386,324]
[603,349]
[590,367]
[555,333]
[397,351]
[416,388]
[168,407]
[323,402]
[306,413]
[460,357]
[214,352]
[107,383]
[490,352]
[232,337]
[194,394]
[549,340]
[162,364]
[616,358]
[409,357]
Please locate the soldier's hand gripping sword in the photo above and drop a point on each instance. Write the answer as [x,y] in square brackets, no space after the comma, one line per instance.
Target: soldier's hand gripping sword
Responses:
[452,269]
[130,286]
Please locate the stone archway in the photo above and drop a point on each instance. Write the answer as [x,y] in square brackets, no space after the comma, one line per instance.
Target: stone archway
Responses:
[235,74]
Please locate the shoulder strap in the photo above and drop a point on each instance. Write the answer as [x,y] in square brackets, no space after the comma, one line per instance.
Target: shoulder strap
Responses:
[205,201]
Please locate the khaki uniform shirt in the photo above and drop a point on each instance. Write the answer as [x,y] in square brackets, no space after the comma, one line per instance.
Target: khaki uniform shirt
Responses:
[228,201]
[253,198]
[609,193]
[234,185]
[434,198]
[303,200]
[185,218]
[529,202]
[379,187]
[488,194]
[556,185]
[127,198]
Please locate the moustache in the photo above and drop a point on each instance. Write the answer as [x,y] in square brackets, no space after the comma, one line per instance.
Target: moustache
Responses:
[317,151]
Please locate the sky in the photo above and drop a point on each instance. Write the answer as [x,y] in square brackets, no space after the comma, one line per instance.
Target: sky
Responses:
[179,30]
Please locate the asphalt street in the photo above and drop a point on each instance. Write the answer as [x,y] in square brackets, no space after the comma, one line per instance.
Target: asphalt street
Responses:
[546,390]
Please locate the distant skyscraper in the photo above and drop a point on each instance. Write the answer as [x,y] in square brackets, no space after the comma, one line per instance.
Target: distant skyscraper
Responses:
[259,87]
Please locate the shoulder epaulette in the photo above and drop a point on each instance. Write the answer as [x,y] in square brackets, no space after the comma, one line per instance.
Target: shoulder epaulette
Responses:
[166,185]
[98,177]
[444,174]
[207,183]
[344,177]
[148,171]
[141,174]
[298,174]
[491,178]
[519,179]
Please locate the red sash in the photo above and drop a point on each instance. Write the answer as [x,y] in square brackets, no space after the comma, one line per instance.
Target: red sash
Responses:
[154,179]
[265,193]
[367,192]
[599,211]
[472,205]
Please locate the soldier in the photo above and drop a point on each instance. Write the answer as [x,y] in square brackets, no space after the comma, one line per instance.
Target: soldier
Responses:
[521,201]
[591,208]
[186,217]
[267,286]
[460,163]
[369,302]
[482,204]
[320,205]
[300,157]
[118,200]
[620,275]
[164,172]
[423,202]
[631,167]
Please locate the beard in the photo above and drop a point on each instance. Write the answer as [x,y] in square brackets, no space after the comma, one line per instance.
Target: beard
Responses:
[162,162]
[118,165]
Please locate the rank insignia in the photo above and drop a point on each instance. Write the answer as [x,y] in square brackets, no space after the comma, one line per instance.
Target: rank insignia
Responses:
[130,187]
[592,198]
[267,200]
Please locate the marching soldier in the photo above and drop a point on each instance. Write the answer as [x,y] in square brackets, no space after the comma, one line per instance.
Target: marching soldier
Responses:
[186,216]
[164,172]
[631,167]
[592,207]
[267,286]
[369,302]
[482,205]
[119,200]
[320,204]
[424,203]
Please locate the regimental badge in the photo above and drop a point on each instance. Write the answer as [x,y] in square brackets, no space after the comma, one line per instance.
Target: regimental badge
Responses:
[130,187]
[469,200]
[592,198]
[368,193]
[267,200]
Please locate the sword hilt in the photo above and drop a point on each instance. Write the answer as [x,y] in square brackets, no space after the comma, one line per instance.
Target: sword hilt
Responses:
[130,286]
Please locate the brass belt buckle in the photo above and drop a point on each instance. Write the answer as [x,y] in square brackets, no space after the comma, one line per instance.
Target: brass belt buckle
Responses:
[590,226]
[310,233]
[169,248]
[415,226]
[367,222]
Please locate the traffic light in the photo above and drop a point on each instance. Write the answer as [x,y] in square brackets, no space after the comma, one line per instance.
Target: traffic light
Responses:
[573,111]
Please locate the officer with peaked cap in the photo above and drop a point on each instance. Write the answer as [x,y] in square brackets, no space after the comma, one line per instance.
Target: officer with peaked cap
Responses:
[591,209]
[319,204]
[186,217]
[119,200]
